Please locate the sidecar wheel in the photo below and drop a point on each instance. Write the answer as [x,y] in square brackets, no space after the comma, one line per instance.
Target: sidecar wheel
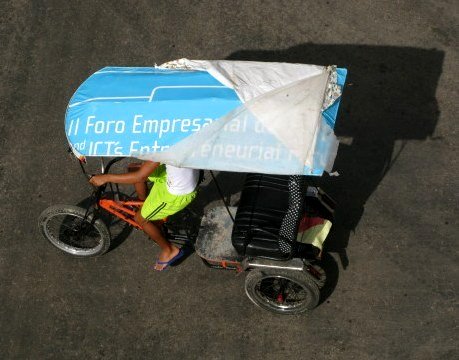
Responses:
[282,291]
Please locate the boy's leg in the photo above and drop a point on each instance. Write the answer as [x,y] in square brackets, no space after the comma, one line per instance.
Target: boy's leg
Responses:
[141,187]
[158,205]
[141,190]
[168,250]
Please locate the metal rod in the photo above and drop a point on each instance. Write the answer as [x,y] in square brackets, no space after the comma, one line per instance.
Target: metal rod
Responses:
[221,195]
[102,166]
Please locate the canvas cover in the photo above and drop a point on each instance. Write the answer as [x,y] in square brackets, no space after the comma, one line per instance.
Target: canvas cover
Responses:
[275,118]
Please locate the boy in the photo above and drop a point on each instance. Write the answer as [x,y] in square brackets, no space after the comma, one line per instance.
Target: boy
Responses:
[174,188]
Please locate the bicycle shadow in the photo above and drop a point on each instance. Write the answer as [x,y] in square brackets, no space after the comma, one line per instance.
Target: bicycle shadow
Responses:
[389,99]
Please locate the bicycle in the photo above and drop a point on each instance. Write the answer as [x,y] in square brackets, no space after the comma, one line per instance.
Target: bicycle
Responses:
[286,286]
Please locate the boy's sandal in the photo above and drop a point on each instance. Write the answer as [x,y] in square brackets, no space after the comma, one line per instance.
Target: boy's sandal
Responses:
[165,264]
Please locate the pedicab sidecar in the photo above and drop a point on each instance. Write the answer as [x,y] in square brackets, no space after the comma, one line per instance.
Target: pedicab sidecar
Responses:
[273,121]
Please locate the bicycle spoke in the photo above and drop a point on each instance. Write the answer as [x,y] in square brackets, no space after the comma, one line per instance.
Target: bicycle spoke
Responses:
[74,232]
[281,292]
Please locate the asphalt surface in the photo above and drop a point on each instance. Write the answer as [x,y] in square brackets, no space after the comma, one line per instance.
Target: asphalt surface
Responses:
[396,231]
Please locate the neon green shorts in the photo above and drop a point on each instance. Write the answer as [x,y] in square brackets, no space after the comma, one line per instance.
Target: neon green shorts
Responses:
[160,203]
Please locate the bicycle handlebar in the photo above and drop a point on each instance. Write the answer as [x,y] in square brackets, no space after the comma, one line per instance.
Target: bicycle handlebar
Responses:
[99,190]
[111,162]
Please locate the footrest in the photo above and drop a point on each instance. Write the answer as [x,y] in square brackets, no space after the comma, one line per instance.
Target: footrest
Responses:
[214,239]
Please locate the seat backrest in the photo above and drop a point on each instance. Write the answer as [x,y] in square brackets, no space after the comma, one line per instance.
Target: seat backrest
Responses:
[269,210]
[289,227]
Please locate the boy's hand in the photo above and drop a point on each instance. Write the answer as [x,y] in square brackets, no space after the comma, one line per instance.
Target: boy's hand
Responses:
[98,180]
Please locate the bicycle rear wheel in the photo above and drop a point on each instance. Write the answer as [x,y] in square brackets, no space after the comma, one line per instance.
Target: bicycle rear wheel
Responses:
[69,229]
[282,291]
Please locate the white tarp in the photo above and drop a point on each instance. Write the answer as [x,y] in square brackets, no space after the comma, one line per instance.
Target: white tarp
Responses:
[277,128]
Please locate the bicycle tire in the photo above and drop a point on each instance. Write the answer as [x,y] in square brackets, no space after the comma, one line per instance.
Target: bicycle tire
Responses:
[261,288]
[69,229]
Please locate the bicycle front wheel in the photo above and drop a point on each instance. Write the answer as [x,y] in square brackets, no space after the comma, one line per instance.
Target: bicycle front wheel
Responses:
[69,229]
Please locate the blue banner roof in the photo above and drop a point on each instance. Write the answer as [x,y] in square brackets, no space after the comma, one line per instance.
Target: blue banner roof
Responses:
[135,111]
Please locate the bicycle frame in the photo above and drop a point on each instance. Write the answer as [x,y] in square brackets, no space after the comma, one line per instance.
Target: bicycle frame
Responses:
[122,210]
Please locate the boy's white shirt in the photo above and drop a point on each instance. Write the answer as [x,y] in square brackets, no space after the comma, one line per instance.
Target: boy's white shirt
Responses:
[181,181]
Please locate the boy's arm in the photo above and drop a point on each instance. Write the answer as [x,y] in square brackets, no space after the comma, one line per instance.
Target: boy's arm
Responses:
[139,175]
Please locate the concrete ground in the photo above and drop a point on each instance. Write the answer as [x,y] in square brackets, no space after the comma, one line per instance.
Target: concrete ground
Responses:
[397,225]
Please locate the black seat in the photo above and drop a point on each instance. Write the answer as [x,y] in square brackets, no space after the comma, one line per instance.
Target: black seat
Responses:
[268,215]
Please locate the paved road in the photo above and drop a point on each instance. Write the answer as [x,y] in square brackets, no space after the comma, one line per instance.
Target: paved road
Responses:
[395,236]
